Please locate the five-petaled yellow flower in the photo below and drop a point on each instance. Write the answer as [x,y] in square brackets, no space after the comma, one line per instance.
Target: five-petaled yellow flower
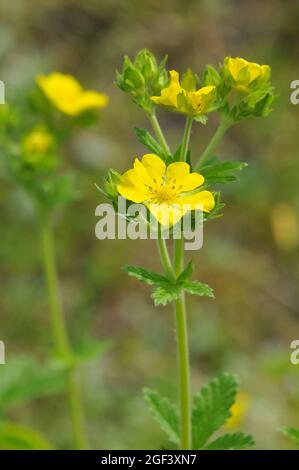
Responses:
[245,73]
[67,94]
[169,192]
[39,140]
[179,99]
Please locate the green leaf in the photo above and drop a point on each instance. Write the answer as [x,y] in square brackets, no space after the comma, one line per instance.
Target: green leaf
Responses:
[186,273]
[144,275]
[148,141]
[221,172]
[236,441]
[211,408]
[163,295]
[17,437]
[25,379]
[292,433]
[198,288]
[165,413]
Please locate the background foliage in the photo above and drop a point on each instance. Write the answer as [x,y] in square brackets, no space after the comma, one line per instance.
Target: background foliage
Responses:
[250,256]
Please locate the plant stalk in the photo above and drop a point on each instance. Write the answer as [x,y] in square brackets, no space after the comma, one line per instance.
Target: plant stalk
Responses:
[224,124]
[60,336]
[179,305]
[159,133]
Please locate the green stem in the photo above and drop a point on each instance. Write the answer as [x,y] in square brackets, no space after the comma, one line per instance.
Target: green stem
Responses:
[224,124]
[186,139]
[60,336]
[158,131]
[180,309]
[165,259]
[184,372]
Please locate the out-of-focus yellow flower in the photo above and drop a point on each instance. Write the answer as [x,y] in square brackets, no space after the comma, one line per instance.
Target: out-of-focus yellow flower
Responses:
[238,411]
[67,94]
[167,191]
[181,100]
[244,73]
[37,141]
[285,226]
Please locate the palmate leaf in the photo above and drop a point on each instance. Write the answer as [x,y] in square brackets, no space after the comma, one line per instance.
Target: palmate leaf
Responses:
[235,441]
[211,408]
[25,379]
[165,413]
[221,172]
[18,437]
[148,141]
[292,433]
[166,290]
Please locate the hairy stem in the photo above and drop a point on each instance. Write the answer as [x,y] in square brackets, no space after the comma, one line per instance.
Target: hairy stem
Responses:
[60,336]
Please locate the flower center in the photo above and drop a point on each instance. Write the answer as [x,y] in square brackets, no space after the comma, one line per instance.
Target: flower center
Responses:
[166,192]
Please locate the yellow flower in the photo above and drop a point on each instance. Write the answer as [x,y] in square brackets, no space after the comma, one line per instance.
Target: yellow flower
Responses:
[238,411]
[184,101]
[66,93]
[244,73]
[37,141]
[168,192]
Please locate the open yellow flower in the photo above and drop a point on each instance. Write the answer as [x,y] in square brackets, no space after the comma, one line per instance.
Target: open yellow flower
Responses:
[244,72]
[181,100]
[67,94]
[167,191]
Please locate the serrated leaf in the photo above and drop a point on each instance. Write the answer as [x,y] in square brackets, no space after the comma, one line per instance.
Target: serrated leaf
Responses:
[186,274]
[222,172]
[163,295]
[236,441]
[25,379]
[148,141]
[165,413]
[144,275]
[17,437]
[211,408]
[292,433]
[198,288]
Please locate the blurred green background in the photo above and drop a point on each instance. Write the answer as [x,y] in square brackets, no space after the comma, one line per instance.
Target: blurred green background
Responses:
[250,256]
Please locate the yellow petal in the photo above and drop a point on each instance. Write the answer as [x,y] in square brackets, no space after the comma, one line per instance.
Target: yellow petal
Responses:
[154,166]
[178,171]
[142,173]
[167,215]
[192,181]
[202,99]
[169,95]
[91,99]
[205,199]
[131,188]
